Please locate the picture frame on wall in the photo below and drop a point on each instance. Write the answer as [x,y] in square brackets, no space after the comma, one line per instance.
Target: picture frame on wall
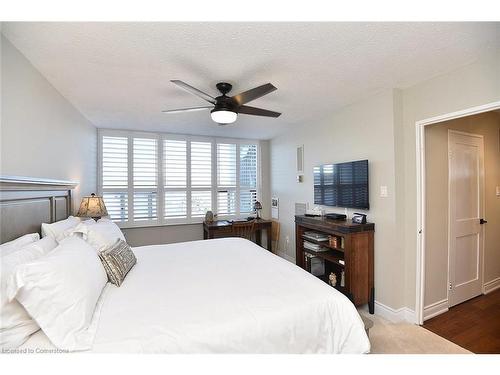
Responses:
[275,207]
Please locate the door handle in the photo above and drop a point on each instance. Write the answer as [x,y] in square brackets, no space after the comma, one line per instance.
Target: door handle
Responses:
[482,221]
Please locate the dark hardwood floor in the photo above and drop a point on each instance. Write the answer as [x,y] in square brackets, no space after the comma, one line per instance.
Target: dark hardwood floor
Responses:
[473,325]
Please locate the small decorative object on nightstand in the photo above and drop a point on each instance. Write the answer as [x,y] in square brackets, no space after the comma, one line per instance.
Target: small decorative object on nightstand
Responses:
[92,206]
[257,206]
[209,217]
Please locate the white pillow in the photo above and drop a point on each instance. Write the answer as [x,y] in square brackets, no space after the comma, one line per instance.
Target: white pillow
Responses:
[103,234]
[60,291]
[15,323]
[60,229]
[18,243]
[104,220]
[81,229]
[44,245]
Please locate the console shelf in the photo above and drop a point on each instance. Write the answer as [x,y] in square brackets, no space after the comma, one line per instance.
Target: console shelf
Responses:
[357,255]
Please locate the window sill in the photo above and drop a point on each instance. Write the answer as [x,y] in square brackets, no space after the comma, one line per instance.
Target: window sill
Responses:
[150,225]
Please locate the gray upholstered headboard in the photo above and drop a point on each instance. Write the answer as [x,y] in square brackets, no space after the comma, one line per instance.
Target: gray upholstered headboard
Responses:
[26,203]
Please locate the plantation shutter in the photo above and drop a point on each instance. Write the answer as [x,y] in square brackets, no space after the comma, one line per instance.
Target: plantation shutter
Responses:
[114,176]
[145,176]
[226,178]
[201,178]
[154,179]
[175,175]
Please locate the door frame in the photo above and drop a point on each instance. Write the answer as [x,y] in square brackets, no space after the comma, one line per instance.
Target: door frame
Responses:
[421,194]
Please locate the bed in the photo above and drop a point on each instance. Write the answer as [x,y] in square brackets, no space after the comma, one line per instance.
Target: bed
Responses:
[219,296]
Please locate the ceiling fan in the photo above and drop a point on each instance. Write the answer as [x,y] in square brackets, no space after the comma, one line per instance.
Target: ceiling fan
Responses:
[225,109]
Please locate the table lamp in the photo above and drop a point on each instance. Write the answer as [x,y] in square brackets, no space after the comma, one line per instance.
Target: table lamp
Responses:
[92,206]
[257,206]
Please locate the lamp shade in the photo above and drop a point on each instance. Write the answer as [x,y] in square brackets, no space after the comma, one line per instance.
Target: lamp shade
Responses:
[257,205]
[92,206]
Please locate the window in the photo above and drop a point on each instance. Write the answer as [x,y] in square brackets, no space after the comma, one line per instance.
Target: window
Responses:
[175,175]
[226,178]
[248,177]
[201,178]
[145,174]
[154,179]
[114,180]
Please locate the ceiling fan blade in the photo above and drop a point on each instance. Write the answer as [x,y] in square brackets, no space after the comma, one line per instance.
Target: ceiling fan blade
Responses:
[252,94]
[192,109]
[194,90]
[245,109]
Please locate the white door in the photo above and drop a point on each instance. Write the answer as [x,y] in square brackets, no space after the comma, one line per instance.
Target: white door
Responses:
[466,180]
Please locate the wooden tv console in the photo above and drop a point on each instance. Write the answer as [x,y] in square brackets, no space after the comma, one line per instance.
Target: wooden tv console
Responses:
[354,249]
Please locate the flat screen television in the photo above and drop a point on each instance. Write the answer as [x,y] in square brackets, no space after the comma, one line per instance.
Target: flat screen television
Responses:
[342,185]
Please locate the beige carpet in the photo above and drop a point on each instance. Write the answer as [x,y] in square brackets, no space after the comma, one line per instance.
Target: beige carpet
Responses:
[405,338]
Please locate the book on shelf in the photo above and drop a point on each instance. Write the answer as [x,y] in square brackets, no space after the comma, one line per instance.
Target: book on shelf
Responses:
[314,247]
[315,236]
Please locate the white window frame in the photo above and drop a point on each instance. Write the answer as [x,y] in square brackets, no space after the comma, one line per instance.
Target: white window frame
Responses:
[160,189]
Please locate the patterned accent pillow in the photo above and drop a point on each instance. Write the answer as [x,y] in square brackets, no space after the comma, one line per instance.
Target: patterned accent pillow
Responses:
[118,259]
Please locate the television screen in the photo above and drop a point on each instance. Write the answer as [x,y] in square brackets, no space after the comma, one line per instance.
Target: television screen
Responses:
[342,185]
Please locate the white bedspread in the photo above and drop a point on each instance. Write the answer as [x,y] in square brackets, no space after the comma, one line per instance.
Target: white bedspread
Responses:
[222,296]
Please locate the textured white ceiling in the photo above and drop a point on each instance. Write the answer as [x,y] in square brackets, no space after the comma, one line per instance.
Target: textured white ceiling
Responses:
[117,74]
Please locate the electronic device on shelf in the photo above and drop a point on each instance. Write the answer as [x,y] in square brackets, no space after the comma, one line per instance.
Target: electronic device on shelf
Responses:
[334,216]
[359,218]
[314,212]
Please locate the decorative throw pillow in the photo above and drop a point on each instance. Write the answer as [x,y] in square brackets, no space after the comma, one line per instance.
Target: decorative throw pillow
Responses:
[118,260]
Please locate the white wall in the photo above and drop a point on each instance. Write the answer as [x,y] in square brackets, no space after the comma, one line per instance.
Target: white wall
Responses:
[473,85]
[265,175]
[42,134]
[364,130]
[380,128]
[163,234]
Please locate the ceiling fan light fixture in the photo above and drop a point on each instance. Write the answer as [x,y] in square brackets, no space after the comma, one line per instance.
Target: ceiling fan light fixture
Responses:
[223,116]
[224,108]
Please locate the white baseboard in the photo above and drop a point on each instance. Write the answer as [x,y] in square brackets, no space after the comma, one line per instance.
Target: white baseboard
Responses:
[435,309]
[409,315]
[492,285]
[403,314]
